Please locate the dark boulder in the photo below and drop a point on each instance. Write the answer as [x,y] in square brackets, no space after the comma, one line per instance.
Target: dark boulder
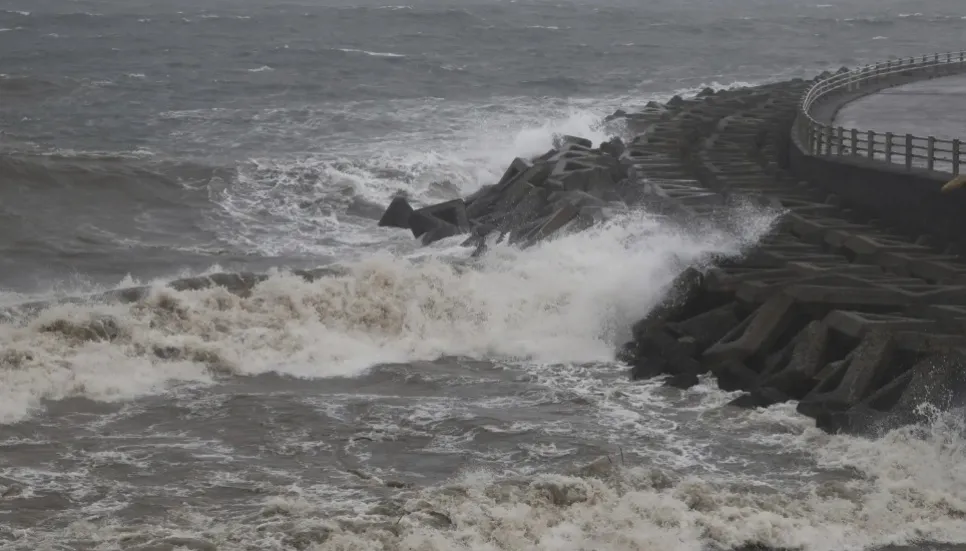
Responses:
[614,147]
[619,114]
[657,352]
[562,140]
[760,397]
[734,375]
[397,214]
[708,327]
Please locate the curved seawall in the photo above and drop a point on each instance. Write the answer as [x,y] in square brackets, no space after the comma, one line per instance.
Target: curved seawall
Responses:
[897,177]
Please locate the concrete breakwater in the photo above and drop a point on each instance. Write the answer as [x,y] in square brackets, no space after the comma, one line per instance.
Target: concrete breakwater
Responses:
[857,321]
[860,323]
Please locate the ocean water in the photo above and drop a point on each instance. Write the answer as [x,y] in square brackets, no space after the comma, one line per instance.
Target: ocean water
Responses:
[419,399]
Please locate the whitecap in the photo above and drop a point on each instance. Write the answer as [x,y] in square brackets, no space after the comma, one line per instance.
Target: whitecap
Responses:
[366,52]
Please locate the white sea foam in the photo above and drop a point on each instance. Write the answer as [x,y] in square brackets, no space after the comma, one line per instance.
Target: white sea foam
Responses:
[373,54]
[308,198]
[903,489]
[564,301]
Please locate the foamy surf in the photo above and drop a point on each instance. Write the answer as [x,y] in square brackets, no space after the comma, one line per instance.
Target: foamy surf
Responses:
[568,300]
[327,204]
[860,495]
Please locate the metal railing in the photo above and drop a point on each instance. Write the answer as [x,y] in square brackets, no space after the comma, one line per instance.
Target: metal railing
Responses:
[929,152]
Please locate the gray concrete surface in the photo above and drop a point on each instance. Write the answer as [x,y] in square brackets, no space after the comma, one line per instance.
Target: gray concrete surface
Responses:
[928,108]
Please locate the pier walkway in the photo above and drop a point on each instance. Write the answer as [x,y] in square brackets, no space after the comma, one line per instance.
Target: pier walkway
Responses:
[934,107]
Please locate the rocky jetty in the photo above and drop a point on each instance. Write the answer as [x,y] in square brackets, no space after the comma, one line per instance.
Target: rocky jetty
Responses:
[856,321]
[570,187]
[859,323]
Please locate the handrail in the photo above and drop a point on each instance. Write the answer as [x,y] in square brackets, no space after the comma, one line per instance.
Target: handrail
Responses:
[929,152]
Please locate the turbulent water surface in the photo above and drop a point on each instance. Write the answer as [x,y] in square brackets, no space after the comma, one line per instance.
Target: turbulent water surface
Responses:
[417,401]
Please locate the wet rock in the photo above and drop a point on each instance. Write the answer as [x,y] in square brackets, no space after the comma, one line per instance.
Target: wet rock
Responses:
[101,328]
[441,231]
[614,147]
[708,327]
[808,357]
[856,420]
[397,214]
[562,140]
[682,380]
[179,543]
[937,381]
[451,212]
[191,283]
[657,352]
[603,467]
[867,368]
[618,114]
[682,300]
[761,397]
[758,333]
[364,208]
[12,491]
[305,539]
[733,375]
[239,283]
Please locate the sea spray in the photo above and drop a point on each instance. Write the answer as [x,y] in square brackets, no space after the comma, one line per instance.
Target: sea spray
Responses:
[561,301]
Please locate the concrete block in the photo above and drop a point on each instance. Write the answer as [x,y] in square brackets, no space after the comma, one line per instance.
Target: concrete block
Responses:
[452,212]
[871,365]
[930,267]
[848,298]
[578,176]
[441,231]
[613,147]
[761,397]
[561,140]
[557,220]
[708,327]
[733,375]
[397,214]
[763,329]
[855,324]
[517,167]
[512,195]
[808,356]
[938,380]
[575,198]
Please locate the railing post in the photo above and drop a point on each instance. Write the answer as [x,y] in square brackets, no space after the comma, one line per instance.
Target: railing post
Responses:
[826,139]
[908,158]
[908,151]
[955,157]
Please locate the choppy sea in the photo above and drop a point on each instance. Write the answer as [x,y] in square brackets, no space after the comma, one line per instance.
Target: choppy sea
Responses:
[418,400]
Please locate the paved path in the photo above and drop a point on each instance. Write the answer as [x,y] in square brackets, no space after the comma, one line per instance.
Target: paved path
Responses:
[933,107]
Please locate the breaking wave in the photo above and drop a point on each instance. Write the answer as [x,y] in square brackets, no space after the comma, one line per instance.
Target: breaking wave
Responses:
[566,300]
